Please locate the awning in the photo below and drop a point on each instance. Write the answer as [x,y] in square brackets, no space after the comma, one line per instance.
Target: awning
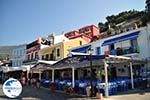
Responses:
[11,69]
[28,67]
[121,38]
[82,49]
[47,62]
[81,61]
[43,65]
[76,53]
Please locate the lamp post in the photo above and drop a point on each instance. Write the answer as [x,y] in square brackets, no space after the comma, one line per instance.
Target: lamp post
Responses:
[91,70]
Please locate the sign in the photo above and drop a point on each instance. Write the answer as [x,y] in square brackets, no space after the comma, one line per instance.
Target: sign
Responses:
[12,88]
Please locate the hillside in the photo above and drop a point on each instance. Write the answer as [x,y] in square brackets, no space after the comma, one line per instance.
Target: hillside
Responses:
[126,17]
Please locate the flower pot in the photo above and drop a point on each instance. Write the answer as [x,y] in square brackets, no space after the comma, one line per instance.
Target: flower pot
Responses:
[99,95]
[53,86]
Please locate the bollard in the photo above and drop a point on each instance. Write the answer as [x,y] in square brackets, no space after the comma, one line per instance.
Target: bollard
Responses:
[99,96]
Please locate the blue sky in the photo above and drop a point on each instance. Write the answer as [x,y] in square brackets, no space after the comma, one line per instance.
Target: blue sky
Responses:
[22,21]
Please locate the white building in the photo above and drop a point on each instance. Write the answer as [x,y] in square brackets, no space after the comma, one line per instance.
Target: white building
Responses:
[134,44]
[18,55]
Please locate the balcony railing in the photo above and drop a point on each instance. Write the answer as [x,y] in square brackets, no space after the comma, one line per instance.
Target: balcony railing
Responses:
[49,59]
[122,51]
[30,61]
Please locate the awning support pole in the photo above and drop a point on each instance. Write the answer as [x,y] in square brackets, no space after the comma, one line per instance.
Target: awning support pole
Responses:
[28,74]
[53,75]
[40,75]
[31,73]
[73,78]
[131,73]
[106,79]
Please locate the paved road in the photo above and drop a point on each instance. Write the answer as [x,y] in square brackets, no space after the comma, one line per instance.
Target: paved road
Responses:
[31,93]
[137,94]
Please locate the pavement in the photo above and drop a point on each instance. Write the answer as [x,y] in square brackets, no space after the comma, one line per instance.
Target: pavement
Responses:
[136,94]
[32,93]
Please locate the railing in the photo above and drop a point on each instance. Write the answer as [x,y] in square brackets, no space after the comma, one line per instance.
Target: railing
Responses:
[116,32]
[122,51]
[29,61]
[49,59]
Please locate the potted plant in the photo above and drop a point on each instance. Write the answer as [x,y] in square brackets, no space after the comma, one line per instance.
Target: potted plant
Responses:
[53,86]
[65,87]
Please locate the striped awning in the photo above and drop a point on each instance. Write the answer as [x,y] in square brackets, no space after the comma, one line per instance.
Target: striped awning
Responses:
[83,49]
[131,36]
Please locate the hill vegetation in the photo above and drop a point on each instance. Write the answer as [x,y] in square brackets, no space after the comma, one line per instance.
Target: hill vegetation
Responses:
[141,18]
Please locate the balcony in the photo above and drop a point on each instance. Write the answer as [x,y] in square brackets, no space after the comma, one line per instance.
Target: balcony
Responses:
[49,59]
[122,51]
[32,61]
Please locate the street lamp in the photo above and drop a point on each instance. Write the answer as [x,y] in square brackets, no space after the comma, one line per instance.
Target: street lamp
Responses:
[91,70]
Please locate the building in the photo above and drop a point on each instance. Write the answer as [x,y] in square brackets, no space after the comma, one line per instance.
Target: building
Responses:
[18,55]
[88,33]
[33,48]
[134,44]
[54,39]
[6,52]
[51,54]
[32,51]
[60,50]
[60,44]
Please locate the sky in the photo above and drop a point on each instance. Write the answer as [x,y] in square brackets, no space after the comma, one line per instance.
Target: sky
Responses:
[23,21]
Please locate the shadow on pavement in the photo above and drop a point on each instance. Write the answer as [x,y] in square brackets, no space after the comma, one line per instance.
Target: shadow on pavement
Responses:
[31,93]
[3,97]
[140,91]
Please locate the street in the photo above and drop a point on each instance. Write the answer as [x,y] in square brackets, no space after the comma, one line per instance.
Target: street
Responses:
[32,93]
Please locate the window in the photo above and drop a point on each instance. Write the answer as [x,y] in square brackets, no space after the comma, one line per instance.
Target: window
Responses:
[16,63]
[47,57]
[17,52]
[28,57]
[134,45]
[126,44]
[87,30]
[24,51]
[20,52]
[31,56]
[20,63]
[14,53]
[36,55]
[98,50]
[111,47]
[42,57]
[58,52]
[80,42]
[51,56]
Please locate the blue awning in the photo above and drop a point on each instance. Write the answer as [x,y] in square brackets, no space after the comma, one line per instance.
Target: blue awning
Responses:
[82,49]
[121,38]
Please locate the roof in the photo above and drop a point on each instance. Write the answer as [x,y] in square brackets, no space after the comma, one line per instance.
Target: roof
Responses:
[47,62]
[43,65]
[80,61]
